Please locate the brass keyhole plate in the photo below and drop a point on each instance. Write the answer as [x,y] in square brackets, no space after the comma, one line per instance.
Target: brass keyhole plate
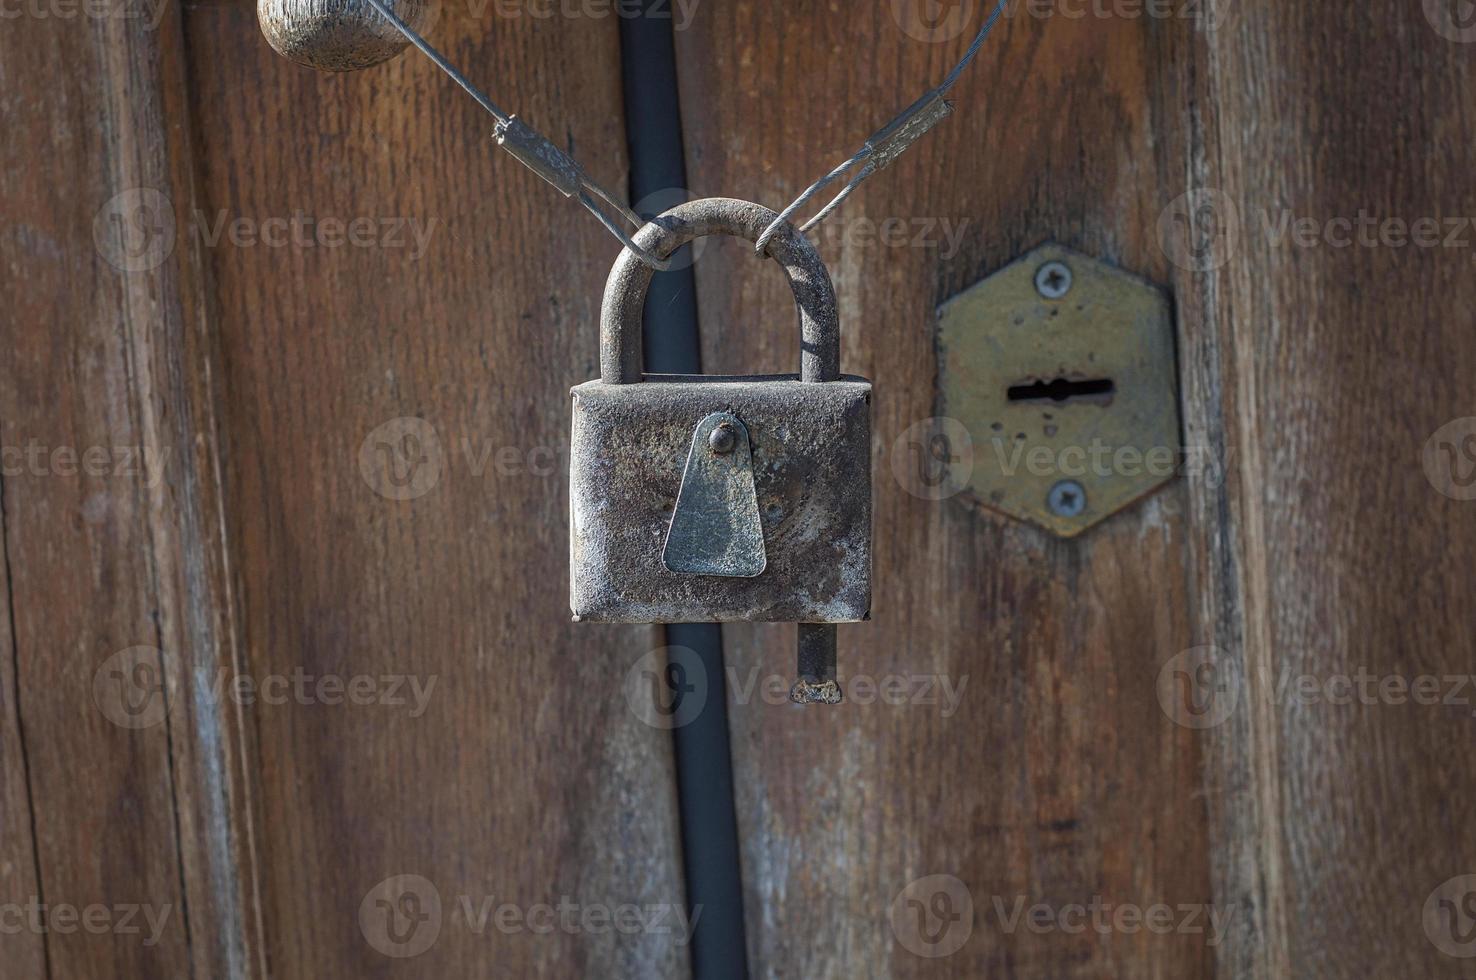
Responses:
[1059,372]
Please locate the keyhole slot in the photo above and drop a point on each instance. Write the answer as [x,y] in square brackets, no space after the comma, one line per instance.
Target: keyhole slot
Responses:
[1063,390]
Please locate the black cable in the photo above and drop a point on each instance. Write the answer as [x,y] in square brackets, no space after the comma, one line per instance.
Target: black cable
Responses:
[704,769]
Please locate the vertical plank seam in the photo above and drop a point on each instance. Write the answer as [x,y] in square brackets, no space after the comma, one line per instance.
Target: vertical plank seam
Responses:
[237,778]
[144,383]
[1243,537]
[20,727]
[246,809]
[1257,655]
[116,46]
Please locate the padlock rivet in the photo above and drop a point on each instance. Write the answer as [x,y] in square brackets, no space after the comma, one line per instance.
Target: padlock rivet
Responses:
[722,440]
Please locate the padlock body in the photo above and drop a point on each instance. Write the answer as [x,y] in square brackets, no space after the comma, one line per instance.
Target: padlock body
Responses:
[811,458]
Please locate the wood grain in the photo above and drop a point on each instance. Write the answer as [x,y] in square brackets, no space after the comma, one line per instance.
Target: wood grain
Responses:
[174,369]
[1058,779]
[526,778]
[179,234]
[1323,371]
[1314,545]
[25,952]
[93,295]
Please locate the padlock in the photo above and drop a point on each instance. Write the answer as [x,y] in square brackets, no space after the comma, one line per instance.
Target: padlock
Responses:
[698,498]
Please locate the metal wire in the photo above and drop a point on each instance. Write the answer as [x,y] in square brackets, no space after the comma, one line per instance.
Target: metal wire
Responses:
[535,151]
[887,143]
[544,158]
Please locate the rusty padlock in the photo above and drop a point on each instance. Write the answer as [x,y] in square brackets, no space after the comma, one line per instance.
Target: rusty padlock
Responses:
[697,498]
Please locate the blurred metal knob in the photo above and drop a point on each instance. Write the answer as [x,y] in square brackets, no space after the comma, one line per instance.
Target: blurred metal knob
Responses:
[338,35]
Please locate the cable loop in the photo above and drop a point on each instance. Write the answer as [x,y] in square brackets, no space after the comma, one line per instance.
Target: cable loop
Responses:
[535,151]
[887,143]
[539,154]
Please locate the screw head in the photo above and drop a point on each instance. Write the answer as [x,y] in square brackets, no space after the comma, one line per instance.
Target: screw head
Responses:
[722,439]
[1067,499]
[1053,280]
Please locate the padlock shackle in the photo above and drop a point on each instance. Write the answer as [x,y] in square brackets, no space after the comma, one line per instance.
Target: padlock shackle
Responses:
[630,279]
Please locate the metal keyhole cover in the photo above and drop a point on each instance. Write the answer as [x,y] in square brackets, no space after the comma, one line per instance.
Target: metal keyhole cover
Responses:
[1058,372]
[715,528]
[634,435]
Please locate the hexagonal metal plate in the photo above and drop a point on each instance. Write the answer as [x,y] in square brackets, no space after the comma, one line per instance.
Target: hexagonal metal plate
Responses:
[1060,368]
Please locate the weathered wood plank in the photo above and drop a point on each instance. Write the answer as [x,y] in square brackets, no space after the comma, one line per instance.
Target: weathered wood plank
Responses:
[438,352]
[174,367]
[24,951]
[123,554]
[1056,779]
[1326,373]
[83,172]
[1317,380]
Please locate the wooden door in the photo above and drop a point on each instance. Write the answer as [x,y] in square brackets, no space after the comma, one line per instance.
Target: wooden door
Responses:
[284,415]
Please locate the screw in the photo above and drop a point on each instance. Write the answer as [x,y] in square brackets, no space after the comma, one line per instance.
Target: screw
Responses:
[723,439]
[1067,499]
[1053,280]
